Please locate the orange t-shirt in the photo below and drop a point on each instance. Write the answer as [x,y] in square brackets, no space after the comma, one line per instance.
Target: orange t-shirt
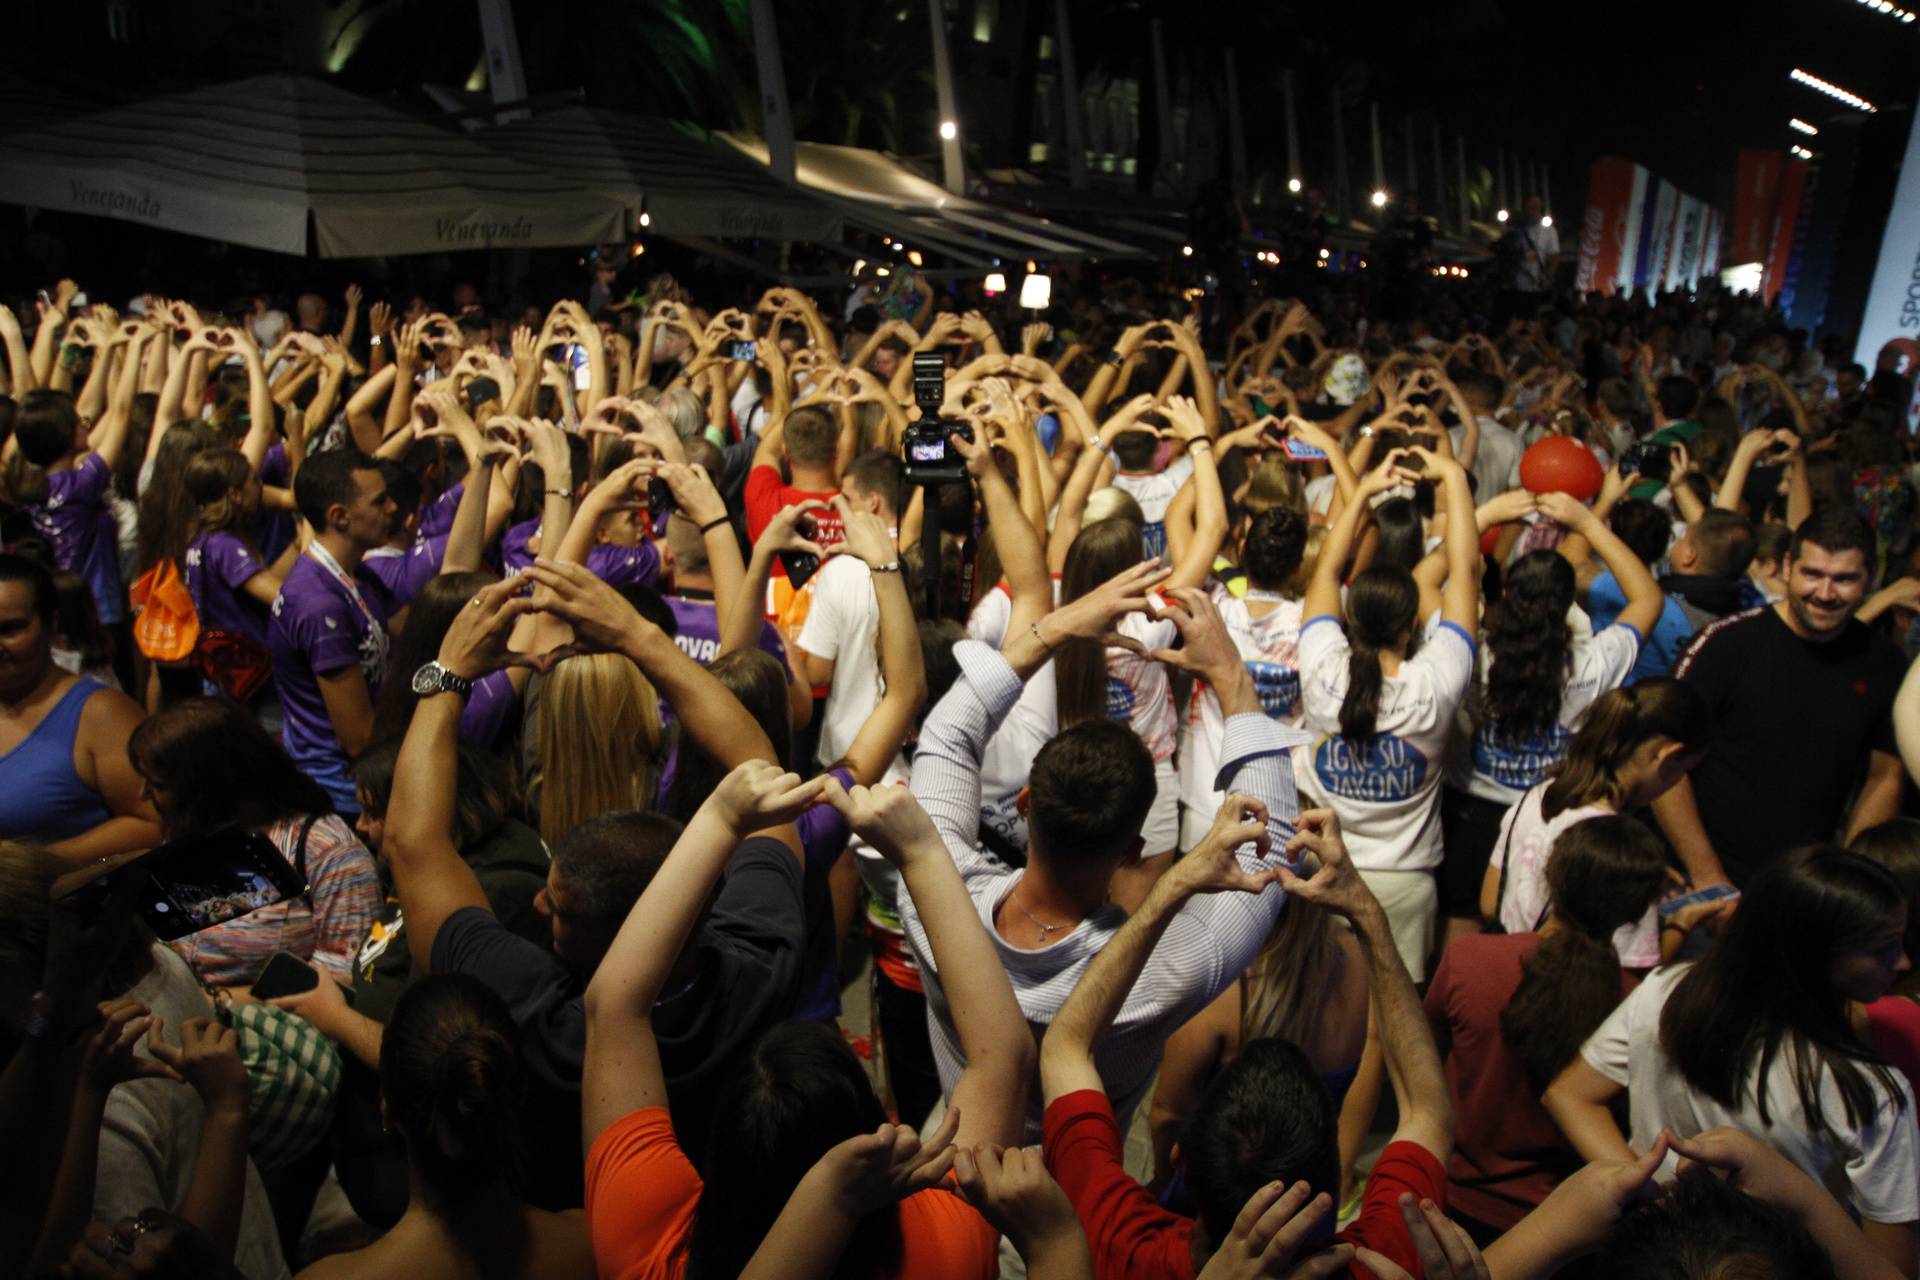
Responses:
[642,1193]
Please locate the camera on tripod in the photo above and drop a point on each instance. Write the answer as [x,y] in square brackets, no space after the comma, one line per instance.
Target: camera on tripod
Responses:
[928,453]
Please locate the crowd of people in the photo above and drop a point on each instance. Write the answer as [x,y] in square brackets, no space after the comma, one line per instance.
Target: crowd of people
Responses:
[796,785]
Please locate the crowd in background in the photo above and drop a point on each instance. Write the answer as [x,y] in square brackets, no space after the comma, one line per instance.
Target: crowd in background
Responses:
[1346,776]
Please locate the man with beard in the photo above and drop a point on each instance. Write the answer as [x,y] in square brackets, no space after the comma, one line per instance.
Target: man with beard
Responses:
[1802,696]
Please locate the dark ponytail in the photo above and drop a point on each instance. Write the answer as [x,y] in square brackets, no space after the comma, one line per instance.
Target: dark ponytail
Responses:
[452,1085]
[1601,874]
[1381,608]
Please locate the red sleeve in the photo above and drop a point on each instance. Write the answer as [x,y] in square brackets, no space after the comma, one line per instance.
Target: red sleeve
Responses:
[1403,1168]
[762,498]
[1132,1237]
[943,1237]
[641,1196]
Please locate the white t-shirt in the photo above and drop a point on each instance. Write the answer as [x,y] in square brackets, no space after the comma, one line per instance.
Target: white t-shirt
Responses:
[1496,460]
[1495,765]
[1270,646]
[1526,842]
[1876,1167]
[1385,790]
[1155,493]
[843,626]
[1138,691]
[150,1133]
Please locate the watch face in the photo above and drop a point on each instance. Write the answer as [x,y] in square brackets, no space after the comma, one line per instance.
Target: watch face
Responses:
[427,679]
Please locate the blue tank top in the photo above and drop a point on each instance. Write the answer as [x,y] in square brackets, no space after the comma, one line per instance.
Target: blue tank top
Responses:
[41,797]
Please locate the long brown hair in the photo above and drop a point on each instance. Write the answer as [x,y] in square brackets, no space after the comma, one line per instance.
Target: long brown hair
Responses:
[1291,979]
[212,477]
[164,525]
[1614,727]
[1100,550]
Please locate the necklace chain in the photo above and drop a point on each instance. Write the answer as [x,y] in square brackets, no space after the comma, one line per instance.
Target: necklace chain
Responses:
[1046,930]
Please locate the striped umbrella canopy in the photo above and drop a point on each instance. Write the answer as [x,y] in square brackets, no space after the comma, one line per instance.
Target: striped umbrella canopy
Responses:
[688,185]
[250,162]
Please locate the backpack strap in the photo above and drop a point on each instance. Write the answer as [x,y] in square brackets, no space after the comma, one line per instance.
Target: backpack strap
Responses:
[1506,856]
[300,855]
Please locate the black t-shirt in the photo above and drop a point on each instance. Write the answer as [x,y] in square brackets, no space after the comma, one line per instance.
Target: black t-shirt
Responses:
[1793,723]
[747,965]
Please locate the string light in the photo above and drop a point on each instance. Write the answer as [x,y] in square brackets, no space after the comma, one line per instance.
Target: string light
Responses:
[1832,90]
[1891,10]
[1501,216]
[1800,153]
[1801,126]
[1379,199]
[1293,185]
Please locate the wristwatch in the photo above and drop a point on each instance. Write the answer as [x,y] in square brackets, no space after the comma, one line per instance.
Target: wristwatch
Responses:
[433,678]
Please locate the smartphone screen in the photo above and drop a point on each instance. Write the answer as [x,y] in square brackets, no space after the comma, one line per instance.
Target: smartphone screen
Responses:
[582,369]
[740,351]
[285,975]
[1301,451]
[189,885]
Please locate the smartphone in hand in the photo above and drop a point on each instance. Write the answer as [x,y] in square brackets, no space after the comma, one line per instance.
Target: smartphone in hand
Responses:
[286,974]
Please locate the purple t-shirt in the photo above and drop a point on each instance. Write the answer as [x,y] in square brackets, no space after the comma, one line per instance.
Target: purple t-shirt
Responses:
[437,519]
[823,835]
[489,710]
[401,574]
[76,521]
[699,634]
[273,530]
[615,566]
[317,629]
[219,565]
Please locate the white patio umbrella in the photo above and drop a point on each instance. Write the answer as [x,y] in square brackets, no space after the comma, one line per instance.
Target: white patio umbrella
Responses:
[251,161]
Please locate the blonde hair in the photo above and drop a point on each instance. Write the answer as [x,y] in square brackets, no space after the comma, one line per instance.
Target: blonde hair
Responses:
[1111,502]
[1309,557]
[600,738]
[1275,484]
[1288,984]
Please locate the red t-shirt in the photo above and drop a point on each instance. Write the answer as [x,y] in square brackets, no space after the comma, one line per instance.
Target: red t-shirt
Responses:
[1133,1238]
[1893,1025]
[642,1194]
[1507,1151]
[767,493]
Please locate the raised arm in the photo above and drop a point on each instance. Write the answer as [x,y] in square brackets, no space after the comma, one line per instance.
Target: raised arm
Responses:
[1323,590]
[712,717]
[1412,1060]
[20,379]
[1644,598]
[366,429]
[622,1072]
[1460,598]
[879,740]
[1066,1053]
[991,1094]
[1021,558]
[1210,524]
[429,876]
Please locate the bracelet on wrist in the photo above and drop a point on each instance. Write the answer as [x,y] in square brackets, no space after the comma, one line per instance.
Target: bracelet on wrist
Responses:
[894,567]
[713,524]
[1200,440]
[1034,627]
[1114,357]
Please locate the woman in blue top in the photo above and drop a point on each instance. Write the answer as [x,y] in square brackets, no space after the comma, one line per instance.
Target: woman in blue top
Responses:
[63,738]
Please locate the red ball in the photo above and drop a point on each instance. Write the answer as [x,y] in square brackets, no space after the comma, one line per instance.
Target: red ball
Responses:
[1561,464]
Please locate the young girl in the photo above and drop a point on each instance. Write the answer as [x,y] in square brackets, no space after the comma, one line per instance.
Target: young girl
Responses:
[1634,744]
[1537,678]
[1264,621]
[1380,711]
[232,587]
[1893,1021]
[1510,1010]
[1756,1035]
